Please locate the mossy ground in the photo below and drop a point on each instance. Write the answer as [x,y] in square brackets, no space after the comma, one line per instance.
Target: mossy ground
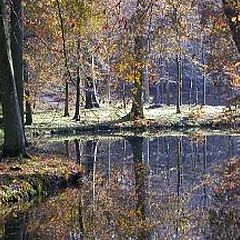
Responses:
[108,118]
[23,180]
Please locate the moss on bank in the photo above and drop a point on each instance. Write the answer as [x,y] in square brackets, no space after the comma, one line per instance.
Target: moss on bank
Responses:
[23,181]
[110,119]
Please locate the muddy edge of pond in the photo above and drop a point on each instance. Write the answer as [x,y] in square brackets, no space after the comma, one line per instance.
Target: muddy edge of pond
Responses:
[35,177]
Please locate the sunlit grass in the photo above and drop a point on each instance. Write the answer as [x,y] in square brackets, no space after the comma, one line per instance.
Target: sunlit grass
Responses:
[110,114]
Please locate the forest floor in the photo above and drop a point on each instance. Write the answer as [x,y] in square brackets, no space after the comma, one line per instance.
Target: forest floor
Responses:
[110,118]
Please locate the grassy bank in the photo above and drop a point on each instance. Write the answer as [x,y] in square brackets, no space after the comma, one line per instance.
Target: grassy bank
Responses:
[108,118]
[38,176]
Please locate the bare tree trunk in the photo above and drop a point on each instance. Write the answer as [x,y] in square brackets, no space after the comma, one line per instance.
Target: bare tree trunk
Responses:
[94,92]
[68,76]
[77,104]
[28,105]
[17,49]
[66,106]
[146,68]
[191,86]
[137,101]
[167,85]
[91,101]
[146,85]
[178,84]
[203,72]
[178,57]
[124,94]
[14,140]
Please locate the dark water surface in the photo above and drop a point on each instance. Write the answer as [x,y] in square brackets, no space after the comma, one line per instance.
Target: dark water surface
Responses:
[136,188]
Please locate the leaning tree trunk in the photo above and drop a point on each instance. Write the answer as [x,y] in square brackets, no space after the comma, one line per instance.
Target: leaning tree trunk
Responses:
[232,12]
[14,140]
[17,48]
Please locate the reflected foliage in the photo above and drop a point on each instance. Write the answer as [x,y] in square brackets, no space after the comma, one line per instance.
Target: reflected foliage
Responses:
[224,218]
[137,188]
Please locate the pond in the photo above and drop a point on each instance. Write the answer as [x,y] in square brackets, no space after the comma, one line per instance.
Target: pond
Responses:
[135,188]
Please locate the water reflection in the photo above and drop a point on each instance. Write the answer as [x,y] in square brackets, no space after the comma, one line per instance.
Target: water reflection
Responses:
[135,188]
[141,173]
[15,228]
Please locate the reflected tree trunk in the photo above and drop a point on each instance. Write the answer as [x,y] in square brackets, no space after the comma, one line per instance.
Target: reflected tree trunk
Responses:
[109,161]
[15,228]
[66,142]
[179,183]
[77,147]
[179,165]
[81,216]
[141,172]
[87,158]
[205,142]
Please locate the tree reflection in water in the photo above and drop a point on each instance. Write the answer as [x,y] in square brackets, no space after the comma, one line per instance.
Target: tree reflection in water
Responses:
[141,172]
[131,198]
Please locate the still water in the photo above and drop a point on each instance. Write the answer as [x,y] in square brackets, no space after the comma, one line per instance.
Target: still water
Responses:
[136,188]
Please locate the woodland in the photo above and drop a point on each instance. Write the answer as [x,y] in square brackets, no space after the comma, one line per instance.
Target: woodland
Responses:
[129,69]
[115,48]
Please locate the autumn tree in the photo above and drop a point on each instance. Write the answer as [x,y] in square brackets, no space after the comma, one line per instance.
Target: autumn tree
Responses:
[232,11]
[139,56]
